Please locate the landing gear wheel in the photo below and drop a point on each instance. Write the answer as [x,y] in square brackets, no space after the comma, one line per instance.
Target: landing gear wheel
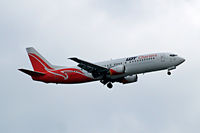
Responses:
[169,73]
[109,85]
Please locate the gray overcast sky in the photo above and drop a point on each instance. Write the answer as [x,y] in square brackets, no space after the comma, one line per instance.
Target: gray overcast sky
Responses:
[97,30]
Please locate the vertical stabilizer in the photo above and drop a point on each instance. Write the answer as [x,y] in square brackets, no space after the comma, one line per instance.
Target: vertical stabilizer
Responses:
[38,62]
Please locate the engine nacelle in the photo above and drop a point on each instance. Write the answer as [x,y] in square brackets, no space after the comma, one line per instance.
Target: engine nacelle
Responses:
[129,79]
[120,69]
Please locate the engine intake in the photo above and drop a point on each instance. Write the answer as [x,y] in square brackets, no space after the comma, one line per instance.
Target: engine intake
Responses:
[120,69]
[129,79]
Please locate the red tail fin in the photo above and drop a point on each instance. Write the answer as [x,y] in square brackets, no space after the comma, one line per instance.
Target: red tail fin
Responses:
[39,63]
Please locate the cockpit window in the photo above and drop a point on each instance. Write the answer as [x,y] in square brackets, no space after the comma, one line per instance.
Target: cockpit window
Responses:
[172,55]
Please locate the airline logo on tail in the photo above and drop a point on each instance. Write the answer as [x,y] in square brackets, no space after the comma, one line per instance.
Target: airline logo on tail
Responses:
[38,63]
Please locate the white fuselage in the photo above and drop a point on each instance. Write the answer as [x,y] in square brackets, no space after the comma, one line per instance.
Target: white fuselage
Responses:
[142,64]
[124,70]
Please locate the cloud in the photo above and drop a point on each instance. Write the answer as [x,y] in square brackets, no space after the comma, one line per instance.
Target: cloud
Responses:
[98,30]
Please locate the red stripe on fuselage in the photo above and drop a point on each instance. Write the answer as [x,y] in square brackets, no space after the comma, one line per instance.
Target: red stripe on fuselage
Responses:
[68,75]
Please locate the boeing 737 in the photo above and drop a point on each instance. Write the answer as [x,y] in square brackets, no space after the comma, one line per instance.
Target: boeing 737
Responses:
[124,70]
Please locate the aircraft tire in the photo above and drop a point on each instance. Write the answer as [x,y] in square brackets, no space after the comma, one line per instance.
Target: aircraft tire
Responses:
[109,85]
[169,73]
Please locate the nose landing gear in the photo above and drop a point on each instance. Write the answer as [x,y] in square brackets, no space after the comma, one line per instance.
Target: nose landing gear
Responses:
[169,73]
[171,68]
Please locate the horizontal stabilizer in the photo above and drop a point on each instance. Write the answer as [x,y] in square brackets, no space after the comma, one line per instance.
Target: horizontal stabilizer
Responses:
[31,73]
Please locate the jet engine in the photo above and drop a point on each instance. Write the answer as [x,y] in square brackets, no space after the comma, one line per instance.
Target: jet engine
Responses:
[117,70]
[129,79]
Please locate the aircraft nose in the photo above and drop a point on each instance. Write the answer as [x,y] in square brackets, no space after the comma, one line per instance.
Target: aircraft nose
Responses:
[181,60]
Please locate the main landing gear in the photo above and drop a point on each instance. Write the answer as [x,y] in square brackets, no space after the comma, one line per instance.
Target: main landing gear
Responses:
[109,85]
[105,82]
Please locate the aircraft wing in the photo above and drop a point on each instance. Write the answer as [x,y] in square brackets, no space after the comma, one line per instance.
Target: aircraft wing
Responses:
[90,67]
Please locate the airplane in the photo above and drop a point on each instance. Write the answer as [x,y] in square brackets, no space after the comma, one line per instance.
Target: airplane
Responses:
[123,70]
